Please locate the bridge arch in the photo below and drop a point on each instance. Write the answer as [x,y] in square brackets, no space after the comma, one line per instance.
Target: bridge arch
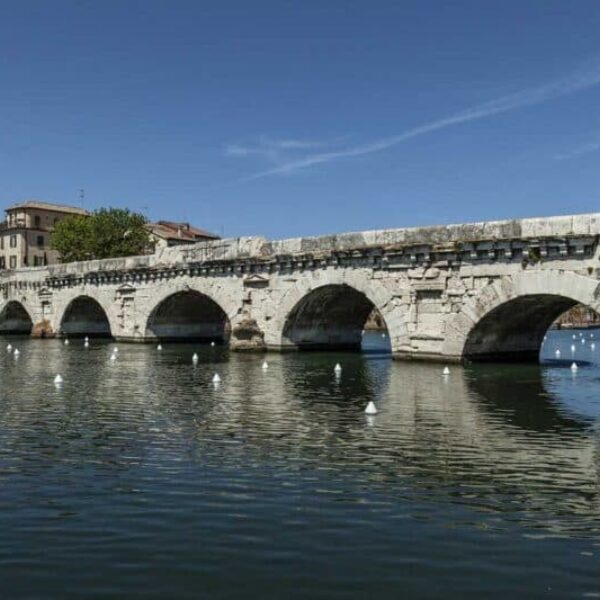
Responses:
[508,319]
[188,314]
[15,318]
[84,315]
[330,312]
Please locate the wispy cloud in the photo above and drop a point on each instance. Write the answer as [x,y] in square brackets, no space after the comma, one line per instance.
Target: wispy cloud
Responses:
[277,151]
[586,148]
[580,80]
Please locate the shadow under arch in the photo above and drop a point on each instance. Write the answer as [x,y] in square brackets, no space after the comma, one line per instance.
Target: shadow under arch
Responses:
[84,316]
[514,331]
[188,316]
[15,319]
[332,317]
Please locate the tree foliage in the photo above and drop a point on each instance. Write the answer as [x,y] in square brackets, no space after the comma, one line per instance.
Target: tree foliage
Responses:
[106,233]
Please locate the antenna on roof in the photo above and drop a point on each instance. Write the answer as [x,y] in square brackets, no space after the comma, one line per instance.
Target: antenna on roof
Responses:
[81,197]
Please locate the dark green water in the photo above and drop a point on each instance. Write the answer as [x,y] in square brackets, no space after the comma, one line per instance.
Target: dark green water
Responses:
[140,479]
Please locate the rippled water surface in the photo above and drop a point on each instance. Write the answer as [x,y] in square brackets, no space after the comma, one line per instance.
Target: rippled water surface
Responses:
[140,478]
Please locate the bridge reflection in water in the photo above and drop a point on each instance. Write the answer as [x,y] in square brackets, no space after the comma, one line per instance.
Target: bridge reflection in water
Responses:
[282,467]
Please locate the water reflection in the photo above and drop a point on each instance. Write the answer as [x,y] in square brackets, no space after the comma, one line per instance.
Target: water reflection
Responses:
[148,445]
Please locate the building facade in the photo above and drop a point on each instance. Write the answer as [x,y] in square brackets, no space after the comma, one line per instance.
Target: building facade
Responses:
[26,232]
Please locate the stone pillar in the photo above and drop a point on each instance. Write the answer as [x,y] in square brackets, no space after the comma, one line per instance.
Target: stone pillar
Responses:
[246,336]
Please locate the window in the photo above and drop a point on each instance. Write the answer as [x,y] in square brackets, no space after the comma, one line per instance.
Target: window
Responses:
[38,261]
[40,240]
[2,262]
[13,241]
[37,221]
[13,262]
[2,243]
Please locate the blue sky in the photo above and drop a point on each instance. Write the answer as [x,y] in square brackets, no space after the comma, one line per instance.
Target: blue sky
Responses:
[284,118]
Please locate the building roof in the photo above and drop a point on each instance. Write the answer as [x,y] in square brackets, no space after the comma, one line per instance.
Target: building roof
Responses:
[63,208]
[171,230]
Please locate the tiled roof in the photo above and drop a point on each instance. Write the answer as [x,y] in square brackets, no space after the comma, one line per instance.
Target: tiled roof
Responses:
[170,230]
[64,208]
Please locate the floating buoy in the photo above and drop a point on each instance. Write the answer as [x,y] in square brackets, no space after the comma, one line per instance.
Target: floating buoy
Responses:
[574,367]
[572,347]
[86,344]
[592,335]
[86,339]
[159,347]
[58,380]
[583,340]
[574,337]
[265,365]
[216,378]
[557,354]
[116,350]
[337,369]
[66,342]
[593,346]
[446,371]
[371,408]
[580,334]
[16,352]
[113,356]
[195,358]
[383,335]
[212,344]
[9,348]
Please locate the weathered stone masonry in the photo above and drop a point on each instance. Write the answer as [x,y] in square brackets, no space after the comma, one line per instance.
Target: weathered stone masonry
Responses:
[480,291]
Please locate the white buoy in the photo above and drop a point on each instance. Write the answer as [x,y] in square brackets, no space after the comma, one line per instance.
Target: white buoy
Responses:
[337,369]
[9,348]
[574,367]
[212,344]
[66,341]
[265,365]
[86,339]
[16,353]
[86,344]
[557,354]
[58,380]
[159,347]
[572,347]
[113,356]
[446,371]
[371,408]
[592,335]
[583,340]
[383,335]
[195,358]
[216,378]
[574,337]
[580,334]
[115,350]
[593,346]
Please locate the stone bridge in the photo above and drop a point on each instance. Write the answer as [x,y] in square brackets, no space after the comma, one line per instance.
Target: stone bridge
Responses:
[481,291]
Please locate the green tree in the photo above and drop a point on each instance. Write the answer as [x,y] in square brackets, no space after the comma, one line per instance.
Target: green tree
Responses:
[106,233]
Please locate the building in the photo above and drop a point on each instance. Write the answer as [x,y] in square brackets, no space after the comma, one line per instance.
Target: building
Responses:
[169,233]
[25,234]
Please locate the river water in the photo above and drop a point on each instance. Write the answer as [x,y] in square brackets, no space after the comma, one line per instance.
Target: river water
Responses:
[139,478]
